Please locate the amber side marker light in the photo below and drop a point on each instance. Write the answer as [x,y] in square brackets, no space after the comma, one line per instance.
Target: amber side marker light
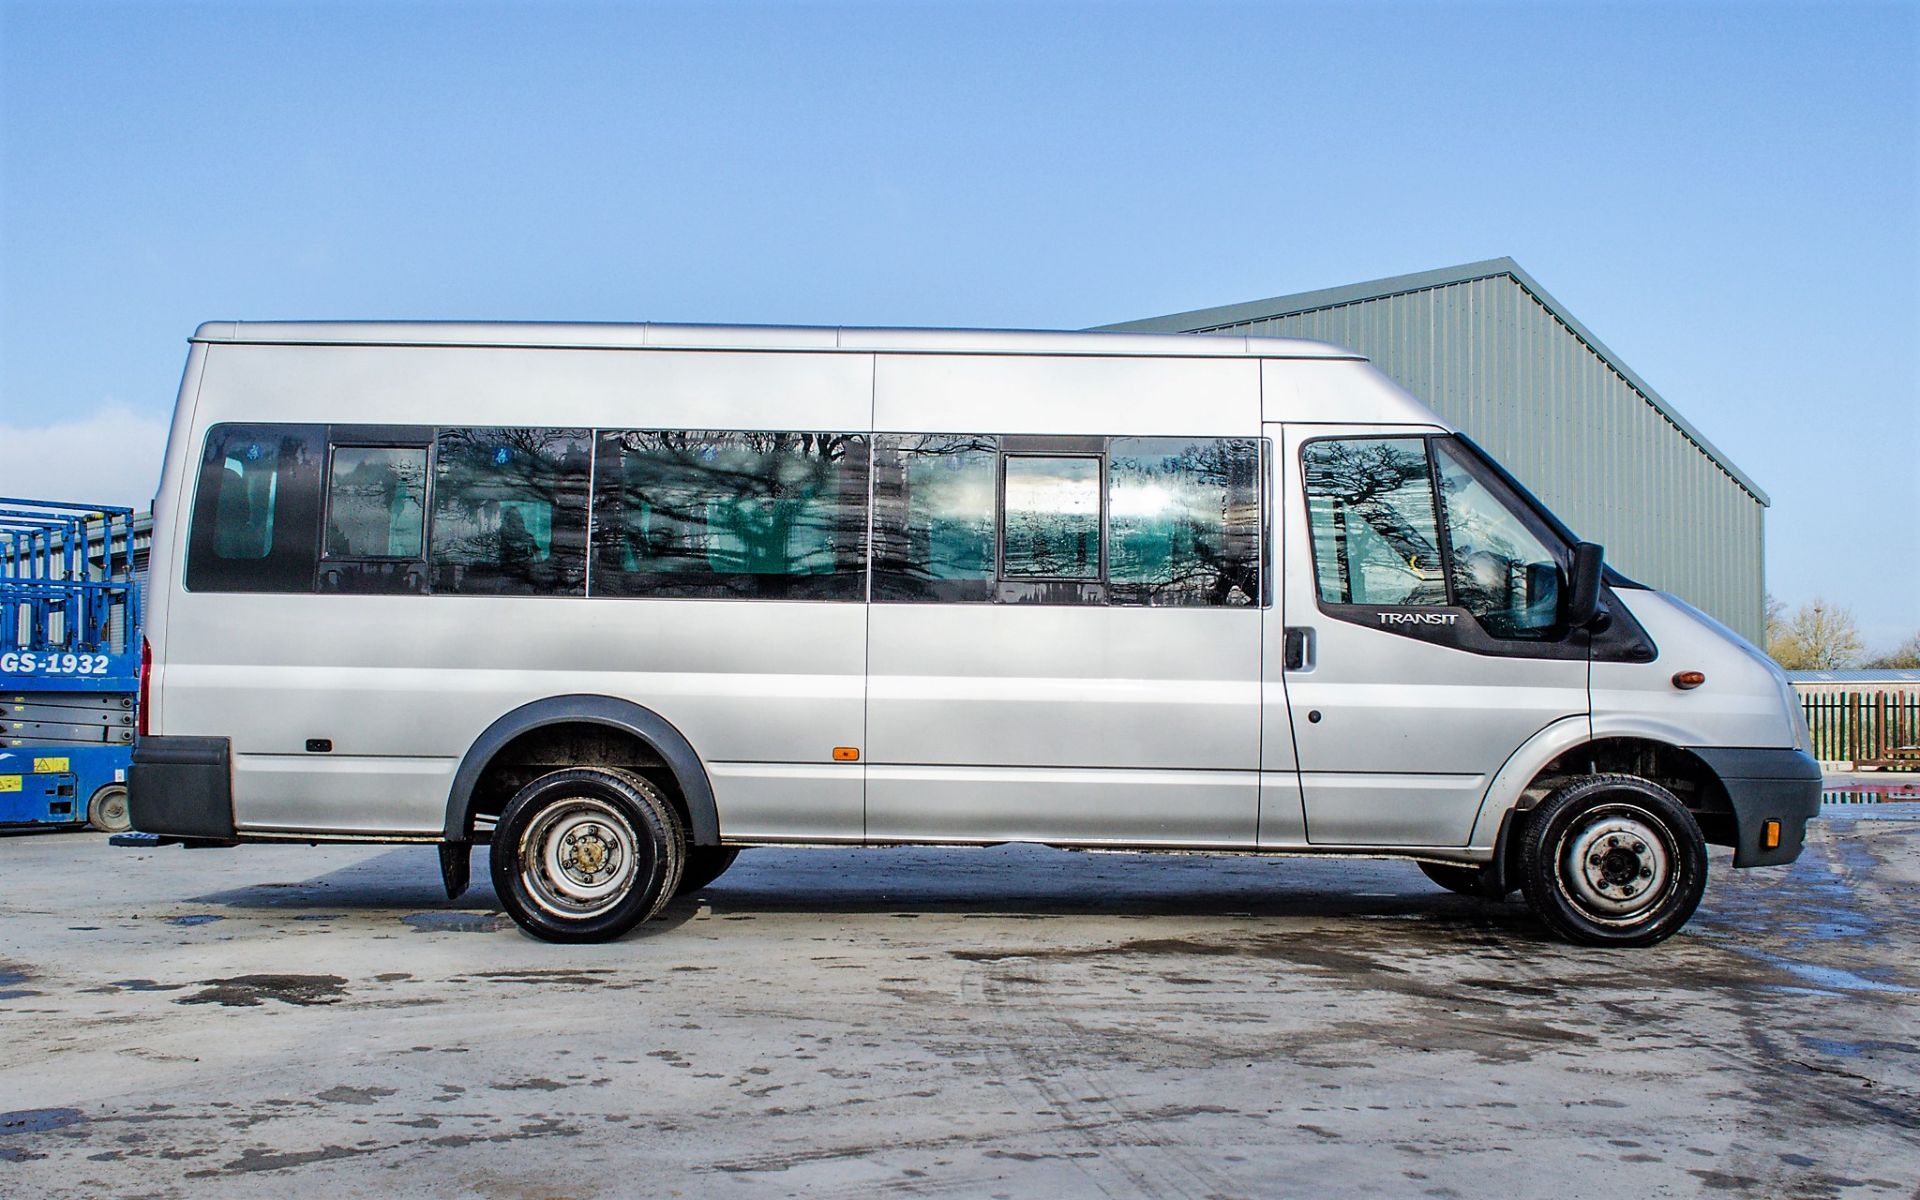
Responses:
[1686,681]
[846,754]
[1770,836]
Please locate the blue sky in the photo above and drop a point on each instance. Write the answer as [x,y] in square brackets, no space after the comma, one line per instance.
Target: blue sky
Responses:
[1725,193]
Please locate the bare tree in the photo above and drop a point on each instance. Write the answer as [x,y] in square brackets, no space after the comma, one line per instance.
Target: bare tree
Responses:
[1776,619]
[1818,636]
[1905,656]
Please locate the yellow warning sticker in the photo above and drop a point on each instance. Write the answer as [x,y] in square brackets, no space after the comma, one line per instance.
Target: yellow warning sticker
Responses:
[9,783]
[52,766]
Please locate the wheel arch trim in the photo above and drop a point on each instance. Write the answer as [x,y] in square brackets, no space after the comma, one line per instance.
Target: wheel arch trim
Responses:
[703,818]
[1511,781]
[1503,794]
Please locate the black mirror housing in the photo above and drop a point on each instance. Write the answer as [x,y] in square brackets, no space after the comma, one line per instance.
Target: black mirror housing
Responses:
[1585,573]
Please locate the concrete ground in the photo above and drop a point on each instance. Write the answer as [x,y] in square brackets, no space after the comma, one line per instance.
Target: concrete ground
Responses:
[1014,1022]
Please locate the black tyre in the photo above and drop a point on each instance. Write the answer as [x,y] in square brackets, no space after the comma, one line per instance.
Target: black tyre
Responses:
[585,854]
[1613,860]
[107,810]
[704,865]
[1468,881]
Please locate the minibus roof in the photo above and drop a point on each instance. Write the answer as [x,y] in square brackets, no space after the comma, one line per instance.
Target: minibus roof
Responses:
[658,336]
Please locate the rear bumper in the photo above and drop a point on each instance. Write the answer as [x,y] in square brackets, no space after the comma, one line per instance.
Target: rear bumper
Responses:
[1767,785]
[182,787]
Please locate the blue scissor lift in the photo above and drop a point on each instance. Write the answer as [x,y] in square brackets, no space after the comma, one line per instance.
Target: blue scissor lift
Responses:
[69,663]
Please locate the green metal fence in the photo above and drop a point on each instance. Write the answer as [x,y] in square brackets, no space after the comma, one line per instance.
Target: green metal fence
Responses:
[1864,727]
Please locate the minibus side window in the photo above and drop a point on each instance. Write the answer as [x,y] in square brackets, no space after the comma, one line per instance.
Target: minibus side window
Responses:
[1370,502]
[1502,572]
[255,521]
[376,502]
[1183,518]
[692,513]
[510,511]
[933,517]
[376,517]
[1052,521]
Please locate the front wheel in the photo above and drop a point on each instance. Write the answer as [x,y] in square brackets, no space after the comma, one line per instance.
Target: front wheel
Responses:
[1613,860]
[585,854]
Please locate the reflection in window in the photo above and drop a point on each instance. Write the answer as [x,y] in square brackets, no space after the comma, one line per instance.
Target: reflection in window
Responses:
[510,511]
[1184,521]
[256,521]
[1370,502]
[1502,573]
[933,499]
[248,488]
[1052,528]
[769,515]
[375,502]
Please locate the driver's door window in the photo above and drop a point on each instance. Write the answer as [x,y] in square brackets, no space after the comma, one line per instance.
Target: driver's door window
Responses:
[1375,532]
[1412,522]
[1502,574]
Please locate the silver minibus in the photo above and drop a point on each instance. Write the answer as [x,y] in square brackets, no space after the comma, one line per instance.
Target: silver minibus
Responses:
[619,601]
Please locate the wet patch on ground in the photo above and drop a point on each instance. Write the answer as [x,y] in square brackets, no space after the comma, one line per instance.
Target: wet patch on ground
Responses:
[561,977]
[39,1120]
[12,975]
[16,1146]
[146,985]
[250,991]
[252,1161]
[456,922]
[342,1094]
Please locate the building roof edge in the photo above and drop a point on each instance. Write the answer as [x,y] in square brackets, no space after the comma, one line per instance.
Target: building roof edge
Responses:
[1201,320]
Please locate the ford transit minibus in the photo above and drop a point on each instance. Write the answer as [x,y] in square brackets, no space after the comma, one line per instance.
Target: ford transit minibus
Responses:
[620,601]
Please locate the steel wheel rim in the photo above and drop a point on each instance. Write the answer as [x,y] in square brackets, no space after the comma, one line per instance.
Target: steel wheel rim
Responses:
[579,857]
[110,811]
[1617,864]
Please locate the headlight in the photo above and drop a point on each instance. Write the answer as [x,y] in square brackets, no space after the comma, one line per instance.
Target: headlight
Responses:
[1796,713]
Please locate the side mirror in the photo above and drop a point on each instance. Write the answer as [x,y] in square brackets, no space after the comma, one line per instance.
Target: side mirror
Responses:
[1583,586]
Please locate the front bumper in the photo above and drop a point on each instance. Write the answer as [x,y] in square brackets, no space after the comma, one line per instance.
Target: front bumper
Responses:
[1762,786]
[182,787]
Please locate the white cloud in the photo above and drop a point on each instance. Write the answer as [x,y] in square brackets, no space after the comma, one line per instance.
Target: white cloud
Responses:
[111,456]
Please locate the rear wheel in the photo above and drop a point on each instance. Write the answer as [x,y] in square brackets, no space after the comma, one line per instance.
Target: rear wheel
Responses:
[585,854]
[107,811]
[704,865]
[1613,860]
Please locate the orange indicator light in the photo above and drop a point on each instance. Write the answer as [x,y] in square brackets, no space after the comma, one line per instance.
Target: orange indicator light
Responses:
[846,754]
[1770,836]
[1686,681]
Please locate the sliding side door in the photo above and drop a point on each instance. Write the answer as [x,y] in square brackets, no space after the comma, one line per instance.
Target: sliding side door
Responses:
[1064,634]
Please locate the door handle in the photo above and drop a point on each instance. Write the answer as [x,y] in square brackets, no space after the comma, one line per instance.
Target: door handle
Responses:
[1298,648]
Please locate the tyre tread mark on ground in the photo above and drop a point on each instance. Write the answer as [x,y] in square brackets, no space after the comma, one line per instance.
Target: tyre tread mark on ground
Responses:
[1043,1054]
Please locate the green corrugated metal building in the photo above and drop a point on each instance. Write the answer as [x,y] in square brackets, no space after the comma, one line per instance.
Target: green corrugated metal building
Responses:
[1491,351]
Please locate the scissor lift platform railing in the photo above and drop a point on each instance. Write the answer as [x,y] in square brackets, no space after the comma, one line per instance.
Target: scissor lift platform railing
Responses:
[69,662]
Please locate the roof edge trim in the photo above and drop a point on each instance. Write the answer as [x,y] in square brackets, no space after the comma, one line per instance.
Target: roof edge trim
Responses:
[756,338]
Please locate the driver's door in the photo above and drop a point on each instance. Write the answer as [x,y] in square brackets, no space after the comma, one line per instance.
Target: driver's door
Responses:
[1424,648]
